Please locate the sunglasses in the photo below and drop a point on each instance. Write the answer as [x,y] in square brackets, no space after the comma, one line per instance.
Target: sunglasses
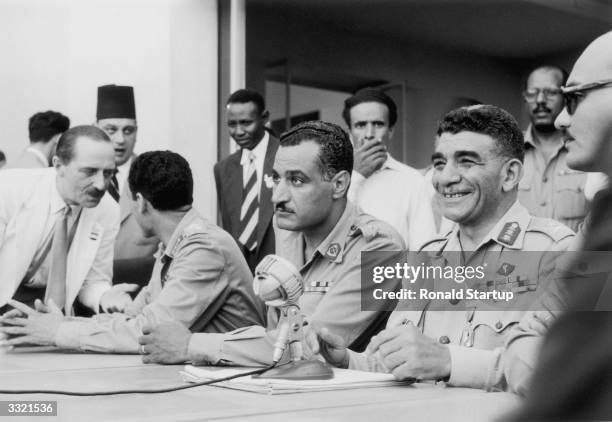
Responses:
[573,94]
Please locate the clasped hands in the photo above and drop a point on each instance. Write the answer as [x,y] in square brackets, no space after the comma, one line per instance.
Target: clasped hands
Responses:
[402,350]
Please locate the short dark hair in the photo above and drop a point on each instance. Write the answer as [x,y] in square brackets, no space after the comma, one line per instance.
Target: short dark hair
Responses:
[163,178]
[370,95]
[487,120]
[243,96]
[2,156]
[45,125]
[65,145]
[335,148]
[562,72]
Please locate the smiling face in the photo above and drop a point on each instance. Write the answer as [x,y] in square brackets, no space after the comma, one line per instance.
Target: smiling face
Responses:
[122,133]
[469,178]
[302,197]
[84,179]
[589,128]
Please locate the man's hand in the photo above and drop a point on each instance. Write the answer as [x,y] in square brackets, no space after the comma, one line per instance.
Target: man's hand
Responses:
[409,355]
[31,326]
[117,299]
[541,321]
[369,157]
[166,343]
[327,344]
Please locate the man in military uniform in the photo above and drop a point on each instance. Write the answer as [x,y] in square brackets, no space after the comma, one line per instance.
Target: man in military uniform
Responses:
[322,234]
[477,168]
[200,278]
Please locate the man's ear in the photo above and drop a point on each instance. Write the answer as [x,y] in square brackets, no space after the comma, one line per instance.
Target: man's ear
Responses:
[56,162]
[341,182]
[265,116]
[512,172]
[144,206]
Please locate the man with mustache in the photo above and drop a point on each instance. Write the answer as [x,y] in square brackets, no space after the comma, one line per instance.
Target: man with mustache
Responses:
[477,167]
[57,228]
[549,188]
[323,235]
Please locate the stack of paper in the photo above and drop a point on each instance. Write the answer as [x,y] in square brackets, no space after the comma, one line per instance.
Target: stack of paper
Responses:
[343,379]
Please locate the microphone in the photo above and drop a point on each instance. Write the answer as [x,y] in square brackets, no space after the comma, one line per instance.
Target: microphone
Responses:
[280,285]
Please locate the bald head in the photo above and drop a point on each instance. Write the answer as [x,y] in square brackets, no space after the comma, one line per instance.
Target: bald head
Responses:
[590,124]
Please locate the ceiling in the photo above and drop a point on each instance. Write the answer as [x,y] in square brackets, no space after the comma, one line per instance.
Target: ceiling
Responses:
[508,29]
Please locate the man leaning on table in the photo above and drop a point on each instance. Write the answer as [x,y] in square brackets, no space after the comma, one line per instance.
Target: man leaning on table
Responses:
[57,228]
[477,168]
[200,278]
[323,235]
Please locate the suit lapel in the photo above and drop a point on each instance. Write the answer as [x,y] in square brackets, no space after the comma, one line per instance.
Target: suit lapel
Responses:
[233,177]
[125,208]
[266,209]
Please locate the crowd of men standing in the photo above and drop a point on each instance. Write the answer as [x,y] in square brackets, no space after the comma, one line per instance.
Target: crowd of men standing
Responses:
[85,222]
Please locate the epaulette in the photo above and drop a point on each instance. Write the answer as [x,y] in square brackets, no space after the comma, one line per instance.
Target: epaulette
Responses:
[552,228]
[373,228]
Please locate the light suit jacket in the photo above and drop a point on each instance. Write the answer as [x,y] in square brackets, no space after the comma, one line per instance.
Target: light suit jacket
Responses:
[25,197]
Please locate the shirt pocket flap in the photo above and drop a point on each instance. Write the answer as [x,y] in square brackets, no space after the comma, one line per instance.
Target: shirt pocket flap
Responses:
[496,320]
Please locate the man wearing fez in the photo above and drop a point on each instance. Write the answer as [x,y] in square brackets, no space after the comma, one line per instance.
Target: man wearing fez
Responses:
[116,115]
[57,228]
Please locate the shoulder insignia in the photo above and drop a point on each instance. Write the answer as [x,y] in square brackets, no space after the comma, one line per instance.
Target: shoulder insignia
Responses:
[509,233]
[552,228]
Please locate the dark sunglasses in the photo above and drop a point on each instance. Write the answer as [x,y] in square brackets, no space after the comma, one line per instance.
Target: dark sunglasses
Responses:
[572,94]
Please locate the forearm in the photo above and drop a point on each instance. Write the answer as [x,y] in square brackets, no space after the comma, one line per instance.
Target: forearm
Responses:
[477,368]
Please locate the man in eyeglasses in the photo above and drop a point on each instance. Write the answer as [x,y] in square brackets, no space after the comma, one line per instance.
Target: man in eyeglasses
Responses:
[549,188]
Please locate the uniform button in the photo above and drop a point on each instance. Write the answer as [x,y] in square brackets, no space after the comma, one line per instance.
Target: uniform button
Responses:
[444,340]
[453,301]
[353,227]
[543,203]
[544,179]
[498,325]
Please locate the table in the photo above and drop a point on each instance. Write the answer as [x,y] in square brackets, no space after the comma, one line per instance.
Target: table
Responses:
[47,368]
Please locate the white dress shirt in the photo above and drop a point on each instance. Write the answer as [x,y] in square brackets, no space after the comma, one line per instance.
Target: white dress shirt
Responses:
[398,195]
[260,154]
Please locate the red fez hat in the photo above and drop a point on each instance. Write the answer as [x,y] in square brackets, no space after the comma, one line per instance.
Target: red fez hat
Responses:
[115,101]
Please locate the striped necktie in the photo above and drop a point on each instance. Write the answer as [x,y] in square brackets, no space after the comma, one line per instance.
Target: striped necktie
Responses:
[56,284]
[249,211]
[113,187]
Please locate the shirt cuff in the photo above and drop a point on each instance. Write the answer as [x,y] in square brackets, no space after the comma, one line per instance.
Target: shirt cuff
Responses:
[469,367]
[69,333]
[205,348]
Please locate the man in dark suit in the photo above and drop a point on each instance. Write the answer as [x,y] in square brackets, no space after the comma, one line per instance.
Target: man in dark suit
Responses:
[133,254]
[243,179]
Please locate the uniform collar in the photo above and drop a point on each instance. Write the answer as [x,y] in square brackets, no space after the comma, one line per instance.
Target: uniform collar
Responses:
[530,141]
[509,231]
[258,151]
[177,235]
[391,163]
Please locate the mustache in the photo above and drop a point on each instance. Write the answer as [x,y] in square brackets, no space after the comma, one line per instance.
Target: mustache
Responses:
[96,193]
[282,207]
[541,107]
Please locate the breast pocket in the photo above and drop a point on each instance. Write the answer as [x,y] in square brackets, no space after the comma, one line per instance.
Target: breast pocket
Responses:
[570,201]
[491,328]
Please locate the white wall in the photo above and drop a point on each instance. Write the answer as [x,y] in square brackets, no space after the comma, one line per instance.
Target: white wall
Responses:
[55,53]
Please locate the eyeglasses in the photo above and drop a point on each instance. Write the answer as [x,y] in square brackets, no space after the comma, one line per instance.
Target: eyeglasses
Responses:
[572,94]
[531,95]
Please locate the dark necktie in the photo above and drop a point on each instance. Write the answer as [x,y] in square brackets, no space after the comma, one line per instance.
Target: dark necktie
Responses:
[249,211]
[113,187]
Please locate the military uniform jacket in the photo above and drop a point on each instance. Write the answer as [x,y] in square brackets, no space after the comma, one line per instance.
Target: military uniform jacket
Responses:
[332,296]
[477,330]
[200,279]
